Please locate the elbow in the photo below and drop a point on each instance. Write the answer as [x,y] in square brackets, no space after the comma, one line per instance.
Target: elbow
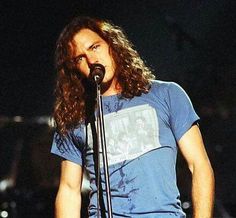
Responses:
[202,170]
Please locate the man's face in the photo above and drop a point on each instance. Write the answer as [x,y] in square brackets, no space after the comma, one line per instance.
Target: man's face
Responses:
[91,49]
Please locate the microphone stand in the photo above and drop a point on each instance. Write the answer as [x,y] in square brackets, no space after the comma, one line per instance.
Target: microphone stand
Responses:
[102,141]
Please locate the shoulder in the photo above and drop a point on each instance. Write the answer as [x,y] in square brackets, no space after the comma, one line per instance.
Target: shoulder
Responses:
[165,87]
[160,84]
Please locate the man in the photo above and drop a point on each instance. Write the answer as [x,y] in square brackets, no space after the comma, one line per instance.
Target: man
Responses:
[142,178]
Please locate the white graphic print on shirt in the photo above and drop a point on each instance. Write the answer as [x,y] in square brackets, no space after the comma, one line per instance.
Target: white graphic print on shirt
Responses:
[130,133]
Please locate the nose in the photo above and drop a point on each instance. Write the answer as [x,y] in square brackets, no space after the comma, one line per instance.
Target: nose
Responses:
[92,59]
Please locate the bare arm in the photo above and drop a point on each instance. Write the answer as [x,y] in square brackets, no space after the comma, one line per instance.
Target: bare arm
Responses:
[193,150]
[68,200]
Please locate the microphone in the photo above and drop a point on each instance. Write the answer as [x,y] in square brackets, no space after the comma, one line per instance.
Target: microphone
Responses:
[97,72]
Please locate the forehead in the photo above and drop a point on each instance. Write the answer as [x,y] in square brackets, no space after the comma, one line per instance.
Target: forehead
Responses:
[85,38]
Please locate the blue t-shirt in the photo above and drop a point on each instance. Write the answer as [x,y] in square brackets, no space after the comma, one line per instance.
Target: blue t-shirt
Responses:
[141,135]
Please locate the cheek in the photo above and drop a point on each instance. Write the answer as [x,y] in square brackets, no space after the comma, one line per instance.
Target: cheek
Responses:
[84,70]
[112,61]
[113,65]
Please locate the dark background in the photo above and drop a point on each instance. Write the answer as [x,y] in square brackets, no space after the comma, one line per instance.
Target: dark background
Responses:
[189,42]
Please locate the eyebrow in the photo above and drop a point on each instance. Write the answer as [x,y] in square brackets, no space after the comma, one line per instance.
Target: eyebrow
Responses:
[94,43]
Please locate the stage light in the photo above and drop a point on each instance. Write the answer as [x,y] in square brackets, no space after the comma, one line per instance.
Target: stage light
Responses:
[186,205]
[4,214]
[18,119]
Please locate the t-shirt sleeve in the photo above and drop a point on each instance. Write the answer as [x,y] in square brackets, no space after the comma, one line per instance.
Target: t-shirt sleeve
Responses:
[182,113]
[67,147]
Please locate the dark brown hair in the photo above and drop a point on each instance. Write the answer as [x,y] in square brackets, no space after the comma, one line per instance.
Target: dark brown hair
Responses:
[132,74]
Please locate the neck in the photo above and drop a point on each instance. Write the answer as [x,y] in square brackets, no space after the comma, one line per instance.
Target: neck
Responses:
[110,92]
[111,88]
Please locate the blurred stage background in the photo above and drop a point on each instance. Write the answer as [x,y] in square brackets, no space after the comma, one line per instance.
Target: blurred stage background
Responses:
[190,42]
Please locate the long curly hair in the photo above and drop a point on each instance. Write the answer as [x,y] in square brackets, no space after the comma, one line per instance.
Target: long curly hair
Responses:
[72,91]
